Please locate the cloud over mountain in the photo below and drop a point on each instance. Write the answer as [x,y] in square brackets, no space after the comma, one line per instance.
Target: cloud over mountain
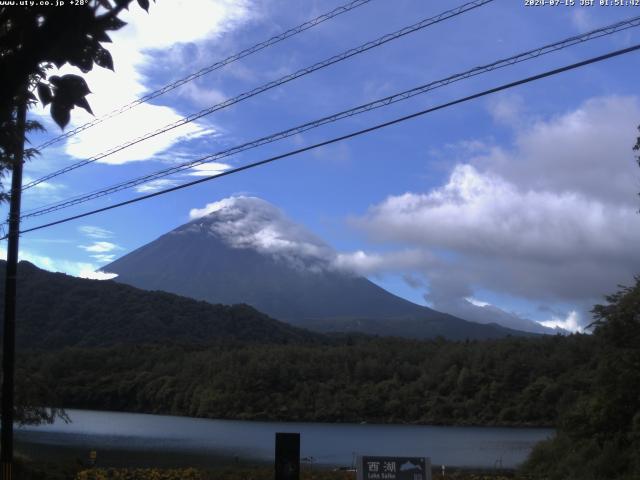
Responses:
[250,222]
[255,224]
[245,250]
[552,219]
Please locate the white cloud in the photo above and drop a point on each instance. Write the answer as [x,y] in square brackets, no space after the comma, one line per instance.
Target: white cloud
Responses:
[100,247]
[482,213]
[476,302]
[213,207]
[506,109]
[551,219]
[130,126]
[43,191]
[541,246]
[155,185]
[201,96]
[50,240]
[134,49]
[95,232]
[183,21]
[365,264]
[46,186]
[96,275]
[104,258]
[586,150]
[77,269]
[250,222]
[483,312]
[571,323]
[582,20]
[208,169]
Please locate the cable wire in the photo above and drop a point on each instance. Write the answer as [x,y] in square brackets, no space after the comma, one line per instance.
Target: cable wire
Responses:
[531,54]
[244,53]
[270,85]
[530,79]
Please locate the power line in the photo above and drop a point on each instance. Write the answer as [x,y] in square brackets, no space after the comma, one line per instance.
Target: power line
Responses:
[270,85]
[237,56]
[531,54]
[533,78]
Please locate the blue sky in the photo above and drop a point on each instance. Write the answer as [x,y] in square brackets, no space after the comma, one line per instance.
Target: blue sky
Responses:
[521,205]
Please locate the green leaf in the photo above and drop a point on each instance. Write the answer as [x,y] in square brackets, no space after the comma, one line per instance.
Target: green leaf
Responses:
[33,126]
[58,61]
[84,60]
[60,114]
[114,23]
[103,58]
[69,90]
[55,80]
[44,92]
[82,102]
[73,83]
[101,36]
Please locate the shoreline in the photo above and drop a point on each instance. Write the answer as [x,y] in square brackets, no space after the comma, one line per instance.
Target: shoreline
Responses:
[257,419]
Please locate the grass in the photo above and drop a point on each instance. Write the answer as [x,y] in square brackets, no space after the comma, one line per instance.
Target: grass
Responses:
[68,472]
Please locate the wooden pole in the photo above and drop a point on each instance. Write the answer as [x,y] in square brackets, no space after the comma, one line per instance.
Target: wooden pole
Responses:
[9,331]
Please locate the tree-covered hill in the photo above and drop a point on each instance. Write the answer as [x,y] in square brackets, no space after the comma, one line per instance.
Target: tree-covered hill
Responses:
[352,379]
[57,310]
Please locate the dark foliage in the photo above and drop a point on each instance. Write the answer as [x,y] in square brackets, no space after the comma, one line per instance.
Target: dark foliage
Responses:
[599,435]
[86,344]
[349,379]
[56,310]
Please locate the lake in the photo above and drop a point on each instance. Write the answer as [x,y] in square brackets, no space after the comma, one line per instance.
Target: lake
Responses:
[129,439]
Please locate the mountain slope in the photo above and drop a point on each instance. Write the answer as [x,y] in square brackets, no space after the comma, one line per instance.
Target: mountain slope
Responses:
[245,250]
[56,310]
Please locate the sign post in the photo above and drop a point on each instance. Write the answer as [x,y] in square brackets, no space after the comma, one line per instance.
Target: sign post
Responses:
[287,456]
[393,468]
[93,456]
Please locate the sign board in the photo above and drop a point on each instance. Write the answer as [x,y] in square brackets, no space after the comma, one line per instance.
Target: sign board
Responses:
[287,456]
[393,468]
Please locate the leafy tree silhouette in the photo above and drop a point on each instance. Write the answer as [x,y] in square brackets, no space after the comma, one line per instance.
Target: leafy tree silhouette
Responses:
[34,39]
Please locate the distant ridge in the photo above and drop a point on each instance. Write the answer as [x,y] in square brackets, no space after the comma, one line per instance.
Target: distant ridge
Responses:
[243,250]
[57,310]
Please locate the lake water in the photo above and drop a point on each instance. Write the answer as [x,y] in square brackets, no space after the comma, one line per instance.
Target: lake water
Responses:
[147,440]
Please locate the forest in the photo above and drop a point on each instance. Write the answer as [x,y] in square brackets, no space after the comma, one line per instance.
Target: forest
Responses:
[598,434]
[352,379]
[586,386]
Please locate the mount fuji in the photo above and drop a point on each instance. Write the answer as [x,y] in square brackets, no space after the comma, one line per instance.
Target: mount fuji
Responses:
[245,250]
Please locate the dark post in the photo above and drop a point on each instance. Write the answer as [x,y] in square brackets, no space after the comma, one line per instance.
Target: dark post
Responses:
[9,332]
[287,456]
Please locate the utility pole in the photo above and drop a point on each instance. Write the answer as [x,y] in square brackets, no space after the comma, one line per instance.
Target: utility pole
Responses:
[9,332]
